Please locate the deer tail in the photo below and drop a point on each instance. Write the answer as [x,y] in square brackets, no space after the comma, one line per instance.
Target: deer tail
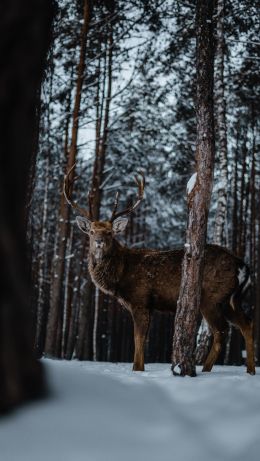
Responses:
[244,282]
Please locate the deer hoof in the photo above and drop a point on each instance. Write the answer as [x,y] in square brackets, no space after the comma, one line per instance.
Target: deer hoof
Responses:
[251,372]
[206,369]
[138,368]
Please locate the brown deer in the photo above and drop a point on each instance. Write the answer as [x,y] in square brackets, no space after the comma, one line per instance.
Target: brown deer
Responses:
[144,279]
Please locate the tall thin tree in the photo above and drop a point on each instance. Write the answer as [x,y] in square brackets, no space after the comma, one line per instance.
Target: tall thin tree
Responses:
[219,237]
[199,194]
[63,222]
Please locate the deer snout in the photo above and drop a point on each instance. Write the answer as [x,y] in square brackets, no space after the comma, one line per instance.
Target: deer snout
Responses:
[99,243]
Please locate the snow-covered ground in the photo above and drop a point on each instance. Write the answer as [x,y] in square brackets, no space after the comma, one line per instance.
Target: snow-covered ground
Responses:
[105,412]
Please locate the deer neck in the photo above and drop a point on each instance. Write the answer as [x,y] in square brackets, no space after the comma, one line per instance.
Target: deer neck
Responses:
[106,271]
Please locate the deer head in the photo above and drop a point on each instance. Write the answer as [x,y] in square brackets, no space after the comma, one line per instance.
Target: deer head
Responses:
[101,233]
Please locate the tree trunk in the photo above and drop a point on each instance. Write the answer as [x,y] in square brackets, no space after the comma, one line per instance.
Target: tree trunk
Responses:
[84,346]
[68,294]
[235,200]
[23,58]
[204,341]
[199,193]
[219,238]
[40,326]
[253,215]
[101,144]
[63,222]
[221,128]
[99,163]
[257,294]
[240,248]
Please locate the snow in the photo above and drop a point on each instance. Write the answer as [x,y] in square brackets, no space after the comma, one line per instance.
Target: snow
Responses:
[105,412]
[191,183]
[177,369]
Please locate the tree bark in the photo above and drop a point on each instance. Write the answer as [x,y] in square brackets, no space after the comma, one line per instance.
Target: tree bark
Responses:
[63,222]
[40,326]
[221,128]
[23,57]
[199,194]
[68,294]
[219,238]
[99,163]
[101,144]
[234,349]
[241,224]
[204,341]
[257,293]
[235,197]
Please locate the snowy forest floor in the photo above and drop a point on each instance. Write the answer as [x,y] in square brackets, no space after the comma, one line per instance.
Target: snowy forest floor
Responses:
[105,412]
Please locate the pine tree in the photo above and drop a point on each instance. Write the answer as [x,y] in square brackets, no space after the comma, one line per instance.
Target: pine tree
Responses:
[199,193]
[54,317]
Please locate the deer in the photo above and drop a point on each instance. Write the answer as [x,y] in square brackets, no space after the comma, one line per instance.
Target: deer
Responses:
[144,280]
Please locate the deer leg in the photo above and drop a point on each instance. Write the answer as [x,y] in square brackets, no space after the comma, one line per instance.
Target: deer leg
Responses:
[141,325]
[246,326]
[219,328]
[248,333]
[219,337]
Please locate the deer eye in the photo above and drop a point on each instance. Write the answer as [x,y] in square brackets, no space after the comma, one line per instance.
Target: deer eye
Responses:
[92,232]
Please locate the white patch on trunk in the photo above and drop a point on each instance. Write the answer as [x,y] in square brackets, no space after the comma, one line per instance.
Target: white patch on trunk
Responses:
[241,275]
[191,183]
[177,369]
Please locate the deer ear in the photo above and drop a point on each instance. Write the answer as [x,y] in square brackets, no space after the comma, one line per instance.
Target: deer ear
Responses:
[119,225]
[84,224]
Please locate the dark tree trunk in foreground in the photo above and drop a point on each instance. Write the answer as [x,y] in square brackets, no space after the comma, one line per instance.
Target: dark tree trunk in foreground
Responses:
[25,35]
[199,193]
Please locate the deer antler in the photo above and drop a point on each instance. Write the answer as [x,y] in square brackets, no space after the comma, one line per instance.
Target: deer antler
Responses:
[67,190]
[141,185]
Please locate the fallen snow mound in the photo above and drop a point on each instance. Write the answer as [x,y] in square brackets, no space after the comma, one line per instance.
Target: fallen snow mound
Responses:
[105,412]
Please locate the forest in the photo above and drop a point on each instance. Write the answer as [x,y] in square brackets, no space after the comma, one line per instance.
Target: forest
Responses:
[118,98]
[145,109]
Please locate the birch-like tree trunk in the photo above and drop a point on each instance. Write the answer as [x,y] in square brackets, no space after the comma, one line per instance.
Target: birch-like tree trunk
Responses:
[235,195]
[242,209]
[102,132]
[63,221]
[257,294]
[68,292]
[199,194]
[221,128]
[99,163]
[253,210]
[42,268]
